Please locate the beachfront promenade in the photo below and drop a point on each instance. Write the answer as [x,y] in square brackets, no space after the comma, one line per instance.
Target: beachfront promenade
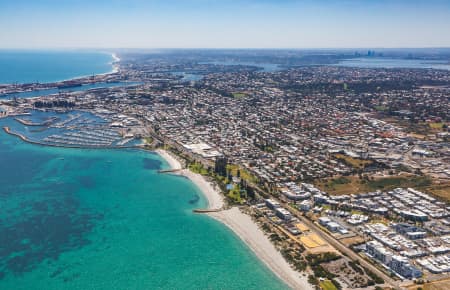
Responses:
[241,224]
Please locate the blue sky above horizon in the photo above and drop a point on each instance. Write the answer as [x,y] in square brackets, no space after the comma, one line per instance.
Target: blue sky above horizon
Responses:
[224,24]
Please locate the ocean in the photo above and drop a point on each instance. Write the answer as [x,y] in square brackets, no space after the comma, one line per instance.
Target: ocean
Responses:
[265,67]
[105,219]
[45,66]
[385,62]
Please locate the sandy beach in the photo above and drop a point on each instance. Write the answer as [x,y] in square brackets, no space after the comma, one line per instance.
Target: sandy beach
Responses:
[258,242]
[210,191]
[243,226]
[115,63]
[115,57]
[173,162]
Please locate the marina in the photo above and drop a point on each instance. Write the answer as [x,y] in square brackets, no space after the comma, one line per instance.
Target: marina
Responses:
[67,142]
[66,90]
[71,129]
[29,123]
[101,207]
[247,142]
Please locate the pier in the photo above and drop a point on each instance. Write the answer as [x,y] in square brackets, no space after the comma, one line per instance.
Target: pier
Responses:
[169,170]
[207,210]
[30,123]
[8,131]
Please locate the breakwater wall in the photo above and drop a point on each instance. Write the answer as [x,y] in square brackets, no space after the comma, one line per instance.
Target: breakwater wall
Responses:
[25,139]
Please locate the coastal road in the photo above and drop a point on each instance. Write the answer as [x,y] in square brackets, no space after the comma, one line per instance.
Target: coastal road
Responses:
[335,243]
[338,245]
[345,250]
[328,238]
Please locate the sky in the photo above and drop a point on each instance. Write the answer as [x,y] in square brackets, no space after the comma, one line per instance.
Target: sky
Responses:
[224,23]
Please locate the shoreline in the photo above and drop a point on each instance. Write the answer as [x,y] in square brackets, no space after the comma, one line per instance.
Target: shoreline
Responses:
[115,57]
[243,226]
[250,233]
[114,64]
[211,193]
[115,68]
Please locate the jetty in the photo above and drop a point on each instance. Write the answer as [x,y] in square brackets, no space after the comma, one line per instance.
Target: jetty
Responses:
[30,123]
[8,131]
[206,210]
[169,170]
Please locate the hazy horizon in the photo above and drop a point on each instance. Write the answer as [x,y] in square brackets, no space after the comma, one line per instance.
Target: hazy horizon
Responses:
[213,24]
[145,49]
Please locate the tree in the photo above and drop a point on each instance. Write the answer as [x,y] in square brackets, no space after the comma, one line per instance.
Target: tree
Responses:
[220,166]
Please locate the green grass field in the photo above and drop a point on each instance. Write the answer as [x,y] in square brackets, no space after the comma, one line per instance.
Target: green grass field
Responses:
[354,162]
[238,95]
[198,168]
[327,285]
[244,174]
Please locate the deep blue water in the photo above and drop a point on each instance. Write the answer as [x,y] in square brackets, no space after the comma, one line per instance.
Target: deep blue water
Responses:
[50,66]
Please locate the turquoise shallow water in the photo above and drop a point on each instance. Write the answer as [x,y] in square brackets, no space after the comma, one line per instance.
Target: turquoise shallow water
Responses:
[23,66]
[102,219]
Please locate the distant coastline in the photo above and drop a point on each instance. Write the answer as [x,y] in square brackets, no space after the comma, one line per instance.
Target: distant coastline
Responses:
[115,63]
[115,57]
[27,67]
[114,68]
